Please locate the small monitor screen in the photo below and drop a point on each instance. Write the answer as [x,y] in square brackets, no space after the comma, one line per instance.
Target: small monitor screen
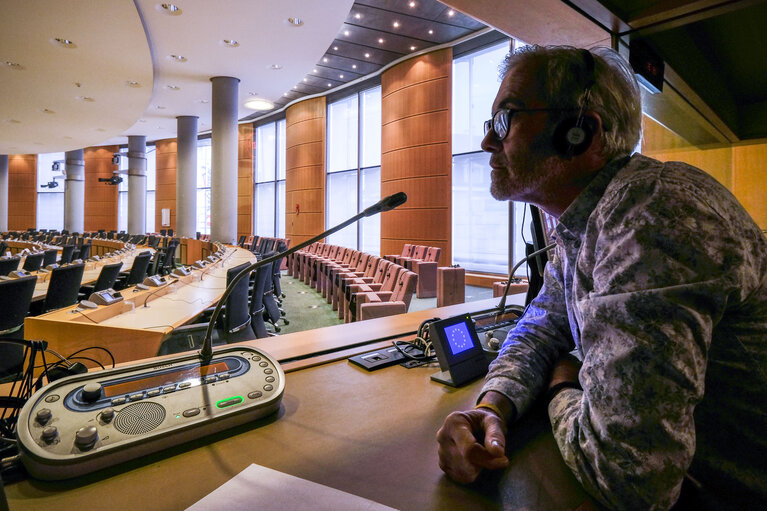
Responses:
[458,338]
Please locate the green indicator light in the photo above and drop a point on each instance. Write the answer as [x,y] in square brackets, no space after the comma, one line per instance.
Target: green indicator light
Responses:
[230,401]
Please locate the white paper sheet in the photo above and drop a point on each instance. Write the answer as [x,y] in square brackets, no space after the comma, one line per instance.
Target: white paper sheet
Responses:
[265,489]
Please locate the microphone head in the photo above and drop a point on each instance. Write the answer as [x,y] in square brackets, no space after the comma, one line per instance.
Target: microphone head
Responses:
[387,204]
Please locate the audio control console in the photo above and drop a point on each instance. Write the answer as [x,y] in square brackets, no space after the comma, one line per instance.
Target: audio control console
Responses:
[87,422]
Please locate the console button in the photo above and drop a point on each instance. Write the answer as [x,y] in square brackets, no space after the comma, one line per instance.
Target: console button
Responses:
[49,434]
[255,394]
[268,387]
[107,414]
[191,412]
[137,396]
[168,390]
[44,415]
[264,364]
[52,398]
[211,379]
[229,402]
[86,437]
[184,385]
[153,393]
[91,391]
[118,401]
[268,371]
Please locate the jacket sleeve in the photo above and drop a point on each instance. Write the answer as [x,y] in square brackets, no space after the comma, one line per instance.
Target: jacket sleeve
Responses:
[521,370]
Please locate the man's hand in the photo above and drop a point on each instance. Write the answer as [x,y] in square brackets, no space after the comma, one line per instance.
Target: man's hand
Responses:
[471,441]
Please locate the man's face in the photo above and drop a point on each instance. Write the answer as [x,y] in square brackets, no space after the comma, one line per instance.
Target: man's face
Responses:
[524,163]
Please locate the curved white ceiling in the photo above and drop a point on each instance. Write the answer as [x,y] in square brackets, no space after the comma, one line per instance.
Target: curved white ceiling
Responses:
[43,109]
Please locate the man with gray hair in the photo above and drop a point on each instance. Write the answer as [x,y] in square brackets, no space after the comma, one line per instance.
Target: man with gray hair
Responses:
[658,285]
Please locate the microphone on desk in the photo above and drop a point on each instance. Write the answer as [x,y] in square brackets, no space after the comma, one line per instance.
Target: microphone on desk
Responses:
[502,303]
[385,204]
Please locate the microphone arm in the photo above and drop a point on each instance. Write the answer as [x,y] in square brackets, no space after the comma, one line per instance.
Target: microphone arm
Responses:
[502,303]
[385,204]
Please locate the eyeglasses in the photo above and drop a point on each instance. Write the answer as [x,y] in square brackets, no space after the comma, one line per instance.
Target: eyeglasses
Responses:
[501,119]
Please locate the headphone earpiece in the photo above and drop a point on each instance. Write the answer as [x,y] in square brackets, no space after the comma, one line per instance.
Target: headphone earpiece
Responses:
[573,136]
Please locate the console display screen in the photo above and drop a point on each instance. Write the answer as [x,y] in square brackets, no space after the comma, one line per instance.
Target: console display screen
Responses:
[193,372]
[458,338]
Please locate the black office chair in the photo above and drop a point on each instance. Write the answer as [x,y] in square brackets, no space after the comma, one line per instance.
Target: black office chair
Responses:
[233,325]
[63,287]
[241,241]
[257,307]
[15,298]
[107,279]
[3,247]
[169,258]
[9,264]
[84,253]
[50,256]
[66,254]
[33,262]
[137,272]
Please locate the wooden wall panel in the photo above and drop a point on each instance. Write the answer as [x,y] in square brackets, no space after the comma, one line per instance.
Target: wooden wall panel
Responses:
[165,191]
[100,198]
[245,181]
[305,169]
[416,152]
[22,192]
[749,162]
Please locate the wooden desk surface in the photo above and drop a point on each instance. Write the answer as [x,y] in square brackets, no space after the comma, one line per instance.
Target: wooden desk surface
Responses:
[369,434]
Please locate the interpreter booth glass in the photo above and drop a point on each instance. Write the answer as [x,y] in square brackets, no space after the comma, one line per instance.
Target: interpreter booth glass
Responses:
[50,201]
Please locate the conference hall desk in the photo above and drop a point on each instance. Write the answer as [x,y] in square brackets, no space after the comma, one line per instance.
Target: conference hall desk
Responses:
[135,327]
[370,434]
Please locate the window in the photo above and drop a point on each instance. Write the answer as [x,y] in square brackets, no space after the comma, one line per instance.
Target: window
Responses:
[269,180]
[122,198]
[354,168]
[50,201]
[481,225]
[203,185]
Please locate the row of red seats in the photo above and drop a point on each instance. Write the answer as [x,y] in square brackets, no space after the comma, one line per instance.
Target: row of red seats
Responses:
[422,260]
[358,285]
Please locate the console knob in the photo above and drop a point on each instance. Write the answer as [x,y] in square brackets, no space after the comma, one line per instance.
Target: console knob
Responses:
[49,433]
[107,414]
[92,391]
[86,437]
[44,415]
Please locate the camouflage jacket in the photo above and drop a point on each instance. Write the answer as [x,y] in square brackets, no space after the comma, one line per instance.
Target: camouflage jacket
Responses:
[659,279]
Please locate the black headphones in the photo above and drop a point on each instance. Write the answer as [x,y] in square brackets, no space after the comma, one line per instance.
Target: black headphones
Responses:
[573,136]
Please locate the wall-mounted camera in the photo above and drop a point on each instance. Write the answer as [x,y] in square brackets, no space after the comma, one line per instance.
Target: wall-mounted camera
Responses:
[114,180]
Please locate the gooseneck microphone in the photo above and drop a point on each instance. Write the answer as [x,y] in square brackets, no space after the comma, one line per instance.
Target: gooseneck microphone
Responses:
[385,204]
[502,303]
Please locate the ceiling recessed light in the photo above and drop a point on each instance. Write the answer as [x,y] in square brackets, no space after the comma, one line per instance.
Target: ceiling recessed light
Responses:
[314,71]
[177,58]
[142,120]
[412,4]
[340,76]
[203,101]
[450,12]
[354,66]
[367,55]
[47,111]
[173,87]
[358,15]
[230,43]
[325,59]
[295,22]
[169,9]
[259,104]
[346,32]
[253,93]
[329,85]
[335,48]
[304,79]
[85,98]
[14,65]
[380,41]
[395,24]
[14,121]
[275,67]
[63,42]
[285,94]
[431,31]
[412,48]
[133,83]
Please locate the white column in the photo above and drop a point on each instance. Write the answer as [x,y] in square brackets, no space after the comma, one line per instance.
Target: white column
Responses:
[224,140]
[186,176]
[3,193]
[74,191]
[136,184]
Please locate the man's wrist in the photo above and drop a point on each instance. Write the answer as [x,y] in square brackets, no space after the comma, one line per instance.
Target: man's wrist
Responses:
[558,387]
[499,404]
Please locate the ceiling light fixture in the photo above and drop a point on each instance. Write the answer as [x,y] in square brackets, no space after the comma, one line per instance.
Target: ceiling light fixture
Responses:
[354,66]
[346,32]
[431,31]
[358,15]
[340,76]
[450,12]
[314,71]
[380,41]
[324,59]
[47,111]
[85,98]
[63,42]
[160,107]
[412,48]
[230,43]
[304,79]
[169,9]
[329,85]
[295,22]
[14,65]
[412,4]
[203,101]
[335,48]
[275,67]
[177,58]
[367,55]
[259,104]
[133,83]
[395,24]
[173,87]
